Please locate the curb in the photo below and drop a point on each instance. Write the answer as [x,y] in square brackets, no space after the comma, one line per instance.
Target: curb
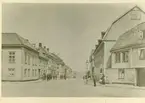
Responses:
[115,86]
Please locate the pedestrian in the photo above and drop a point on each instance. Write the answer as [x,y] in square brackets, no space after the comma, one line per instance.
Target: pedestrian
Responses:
[103,79]
[94,77]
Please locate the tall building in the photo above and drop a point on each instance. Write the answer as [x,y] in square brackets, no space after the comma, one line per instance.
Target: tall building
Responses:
[102,55]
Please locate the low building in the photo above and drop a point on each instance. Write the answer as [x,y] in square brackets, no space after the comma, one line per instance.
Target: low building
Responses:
[19,58]
[128,58]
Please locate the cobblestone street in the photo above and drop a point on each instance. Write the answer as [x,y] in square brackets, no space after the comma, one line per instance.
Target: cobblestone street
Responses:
[67,88]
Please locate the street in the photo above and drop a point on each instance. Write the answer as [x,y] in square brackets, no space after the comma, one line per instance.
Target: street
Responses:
[66,88]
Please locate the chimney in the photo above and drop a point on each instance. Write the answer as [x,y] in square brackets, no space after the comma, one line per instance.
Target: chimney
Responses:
[96,46]
[102,34]
[99,41]
[40,44]
[44,47]
[48,49]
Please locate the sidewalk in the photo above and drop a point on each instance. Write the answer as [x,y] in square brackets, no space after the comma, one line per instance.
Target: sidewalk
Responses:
[117,85]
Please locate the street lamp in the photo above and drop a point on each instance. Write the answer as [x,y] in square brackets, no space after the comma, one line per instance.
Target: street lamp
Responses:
[93,72]
[87,64]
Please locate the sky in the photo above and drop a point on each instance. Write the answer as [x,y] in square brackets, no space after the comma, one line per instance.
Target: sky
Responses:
[69,30]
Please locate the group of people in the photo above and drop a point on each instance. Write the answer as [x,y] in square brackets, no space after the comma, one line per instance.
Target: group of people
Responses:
[48,77]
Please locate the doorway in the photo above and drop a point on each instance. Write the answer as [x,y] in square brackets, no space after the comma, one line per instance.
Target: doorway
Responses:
[140,76]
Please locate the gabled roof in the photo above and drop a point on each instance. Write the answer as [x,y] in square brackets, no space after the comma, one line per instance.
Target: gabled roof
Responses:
[107,31]
[131,38]
[13,39]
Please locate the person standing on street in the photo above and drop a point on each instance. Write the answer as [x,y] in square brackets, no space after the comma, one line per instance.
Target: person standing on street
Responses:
[103,79]
[94,77]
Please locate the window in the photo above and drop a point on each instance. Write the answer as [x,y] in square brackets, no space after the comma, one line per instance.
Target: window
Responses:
[29,59]
[25,58]
[135,15]
[121,73]
[33,72]
[28,72]
[142,54]
[117,57]
[11,57]
[25,72]
[11,72]
[33,60]
[125,56]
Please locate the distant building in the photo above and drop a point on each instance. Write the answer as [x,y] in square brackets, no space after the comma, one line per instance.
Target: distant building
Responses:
[128,58]
[60,66]
[102,55]
[43,60]
[19,58]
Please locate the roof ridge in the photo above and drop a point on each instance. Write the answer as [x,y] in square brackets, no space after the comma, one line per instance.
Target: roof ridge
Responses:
[18,36]
[131,29]
[121,37]
[128,12]
[136,6]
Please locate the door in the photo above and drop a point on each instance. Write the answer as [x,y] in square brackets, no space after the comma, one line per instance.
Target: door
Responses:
[140,76]
[39,73]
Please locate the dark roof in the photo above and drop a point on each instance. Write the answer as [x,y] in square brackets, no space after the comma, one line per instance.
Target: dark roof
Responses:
[42,53]
[57,59]
[107,31]
[131,38]
[12,39]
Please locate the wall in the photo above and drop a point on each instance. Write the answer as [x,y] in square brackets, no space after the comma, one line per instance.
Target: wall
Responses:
[107,54]
[136,62]
[112,76]
[6,64]
[33,65]
[121,64]
[118,29]
[99,60]
[123,25]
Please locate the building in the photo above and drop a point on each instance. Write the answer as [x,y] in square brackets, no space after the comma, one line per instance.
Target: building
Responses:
[128,58]
[19,58]
[101,55]
[60,66]
[68,72]
[43,60]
